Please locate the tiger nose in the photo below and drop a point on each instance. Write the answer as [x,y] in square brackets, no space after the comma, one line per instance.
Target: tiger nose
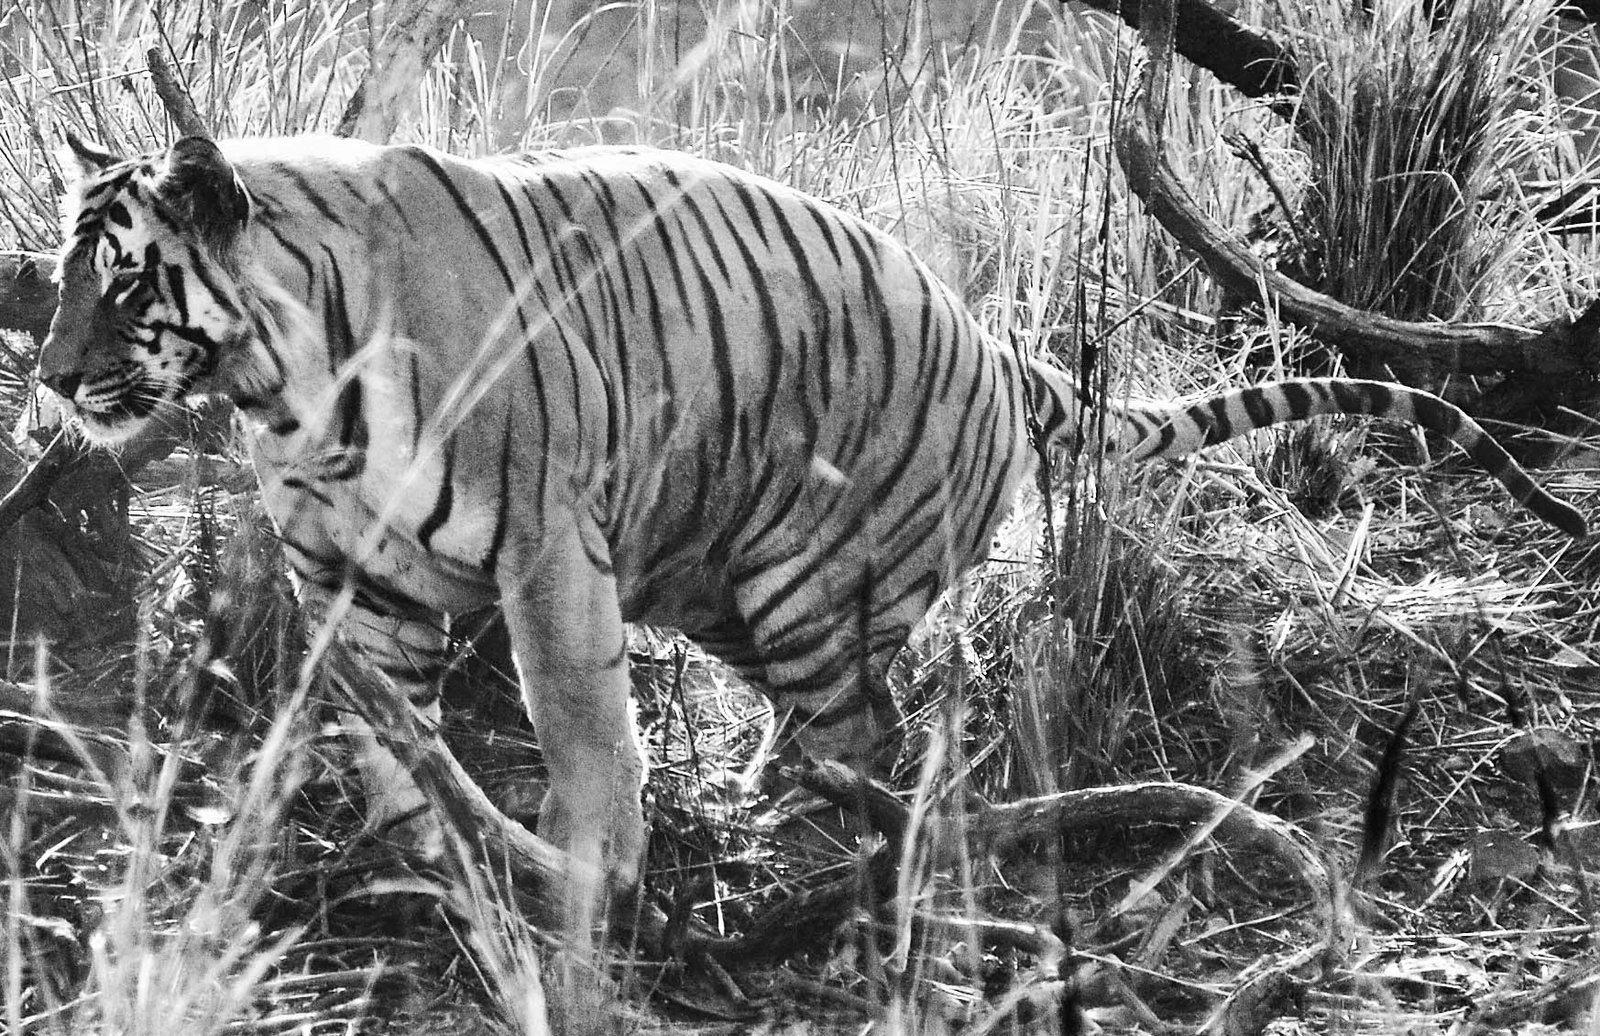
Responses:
[65,384]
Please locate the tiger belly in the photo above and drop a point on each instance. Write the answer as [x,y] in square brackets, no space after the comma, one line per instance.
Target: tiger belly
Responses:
[807,567]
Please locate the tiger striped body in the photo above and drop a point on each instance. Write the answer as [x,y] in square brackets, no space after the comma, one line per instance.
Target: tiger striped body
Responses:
[597,386]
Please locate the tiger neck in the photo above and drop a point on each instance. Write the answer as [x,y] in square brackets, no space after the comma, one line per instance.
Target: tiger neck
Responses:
[309,330]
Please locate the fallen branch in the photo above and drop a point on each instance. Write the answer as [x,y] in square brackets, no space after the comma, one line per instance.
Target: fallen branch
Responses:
[994,829]
[1244,58]
[1559,1002]
[848,790]
[1415,352]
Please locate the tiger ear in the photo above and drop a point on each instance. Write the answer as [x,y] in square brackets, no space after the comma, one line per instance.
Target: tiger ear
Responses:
[91,158]
[202,185]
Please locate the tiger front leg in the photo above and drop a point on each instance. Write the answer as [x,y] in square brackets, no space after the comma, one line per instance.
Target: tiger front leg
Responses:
[565,620]
[384,663]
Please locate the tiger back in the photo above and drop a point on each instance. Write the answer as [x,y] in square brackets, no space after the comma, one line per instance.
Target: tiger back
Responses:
[599,386]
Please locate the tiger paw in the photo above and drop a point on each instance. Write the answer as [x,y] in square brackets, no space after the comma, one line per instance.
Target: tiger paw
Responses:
[415,831]
[614,849]
[398,812]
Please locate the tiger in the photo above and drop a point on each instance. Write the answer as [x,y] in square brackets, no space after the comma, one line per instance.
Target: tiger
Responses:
[596,386]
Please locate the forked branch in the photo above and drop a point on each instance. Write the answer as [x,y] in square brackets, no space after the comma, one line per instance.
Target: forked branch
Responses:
[1245,58]
[1414,351]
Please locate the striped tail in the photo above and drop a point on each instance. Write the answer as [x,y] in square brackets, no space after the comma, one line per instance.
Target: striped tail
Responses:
[1153,430]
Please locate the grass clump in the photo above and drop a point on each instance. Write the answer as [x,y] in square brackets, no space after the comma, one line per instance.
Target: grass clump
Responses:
[1408,134]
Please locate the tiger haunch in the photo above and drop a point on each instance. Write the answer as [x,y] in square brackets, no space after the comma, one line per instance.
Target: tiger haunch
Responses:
[597,386]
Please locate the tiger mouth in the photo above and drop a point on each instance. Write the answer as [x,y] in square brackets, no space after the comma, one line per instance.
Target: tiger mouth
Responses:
[117,403]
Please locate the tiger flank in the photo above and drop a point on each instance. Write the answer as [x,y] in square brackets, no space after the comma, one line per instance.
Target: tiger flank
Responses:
[596,386]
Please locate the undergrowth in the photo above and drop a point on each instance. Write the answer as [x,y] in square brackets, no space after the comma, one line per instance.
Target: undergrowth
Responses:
[183,849]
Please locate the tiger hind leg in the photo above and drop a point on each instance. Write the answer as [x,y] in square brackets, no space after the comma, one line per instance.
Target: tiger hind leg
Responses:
[851,718]
[843,712]
[826,672]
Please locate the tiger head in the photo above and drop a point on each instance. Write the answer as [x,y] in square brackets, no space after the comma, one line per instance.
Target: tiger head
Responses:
[149,302]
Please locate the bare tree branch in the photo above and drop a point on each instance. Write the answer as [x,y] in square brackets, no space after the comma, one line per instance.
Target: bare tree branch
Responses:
[174,96]
[1414,351]
[1247,59]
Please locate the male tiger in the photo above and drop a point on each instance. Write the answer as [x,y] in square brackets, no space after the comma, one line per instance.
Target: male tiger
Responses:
[598,386]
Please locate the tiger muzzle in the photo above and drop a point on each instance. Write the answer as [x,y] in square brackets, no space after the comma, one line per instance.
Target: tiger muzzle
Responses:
[64,384]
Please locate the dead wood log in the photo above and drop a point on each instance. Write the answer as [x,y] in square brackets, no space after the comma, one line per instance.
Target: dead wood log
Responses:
[1247,59]
[1416,352]
[995,829]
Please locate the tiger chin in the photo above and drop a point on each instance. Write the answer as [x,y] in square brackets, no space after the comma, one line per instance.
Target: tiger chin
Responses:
[595,387]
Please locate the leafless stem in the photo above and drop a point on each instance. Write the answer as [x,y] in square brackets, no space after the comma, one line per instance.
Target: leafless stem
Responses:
[175,96]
